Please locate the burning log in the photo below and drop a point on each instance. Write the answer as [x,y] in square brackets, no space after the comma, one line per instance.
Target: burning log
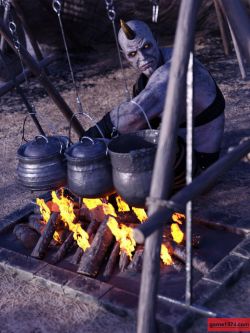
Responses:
[124,261]
[45,239]
[198,263]
[111,262]
[127,218]
[92,259]
[36,224]
[64,248]
[93,226]
[136,263]
[26,235]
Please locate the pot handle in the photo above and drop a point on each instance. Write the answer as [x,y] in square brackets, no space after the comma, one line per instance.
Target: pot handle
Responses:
[86,115]
[43,137]
[143,112]
[87,137]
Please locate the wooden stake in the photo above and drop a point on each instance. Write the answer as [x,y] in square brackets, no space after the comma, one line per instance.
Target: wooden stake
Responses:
[92,259]
[45,239]
[110,266]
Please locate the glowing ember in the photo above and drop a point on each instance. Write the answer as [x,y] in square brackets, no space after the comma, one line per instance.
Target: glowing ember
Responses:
[121,204]
[176,233]
[68,216]
[178,217]
[123,234]
[165,256]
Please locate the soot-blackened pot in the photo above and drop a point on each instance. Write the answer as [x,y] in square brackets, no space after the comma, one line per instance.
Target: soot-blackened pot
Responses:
[41,163]
[89,172]
[132,157]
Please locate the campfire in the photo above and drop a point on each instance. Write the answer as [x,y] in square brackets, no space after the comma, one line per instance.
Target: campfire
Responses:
[98,231]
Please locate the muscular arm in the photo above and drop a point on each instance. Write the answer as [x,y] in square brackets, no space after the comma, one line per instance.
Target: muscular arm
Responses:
[128,115]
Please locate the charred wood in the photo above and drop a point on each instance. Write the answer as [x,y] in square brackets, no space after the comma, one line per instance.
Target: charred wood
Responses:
[136,263]
[92,227]
[124,261]
[93,257]
[198,263]
[36,224]
[26,235]
[45,239]
[110,266]
[64,248]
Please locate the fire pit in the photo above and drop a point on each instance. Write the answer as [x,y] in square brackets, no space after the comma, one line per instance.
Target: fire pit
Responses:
[86,248]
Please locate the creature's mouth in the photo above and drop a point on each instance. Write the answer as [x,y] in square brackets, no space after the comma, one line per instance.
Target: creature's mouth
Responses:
[147,66]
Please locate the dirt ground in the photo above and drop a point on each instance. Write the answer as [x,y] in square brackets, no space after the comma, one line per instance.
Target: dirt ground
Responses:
[28,308]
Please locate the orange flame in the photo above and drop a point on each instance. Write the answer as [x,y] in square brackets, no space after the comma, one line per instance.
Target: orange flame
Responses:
[123,234]
[68,216]
[165,256]
[140,213]
[44,209]
[176,233]
[178,217]
[92,203]
[121,204]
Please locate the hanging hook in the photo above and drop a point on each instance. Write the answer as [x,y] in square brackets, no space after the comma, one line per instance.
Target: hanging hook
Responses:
[57,6]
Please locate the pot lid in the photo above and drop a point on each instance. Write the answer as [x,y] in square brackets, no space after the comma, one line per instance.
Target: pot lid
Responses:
[87,148]
[42,147]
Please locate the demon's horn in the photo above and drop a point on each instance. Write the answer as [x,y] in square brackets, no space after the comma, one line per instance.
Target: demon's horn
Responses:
[130,34]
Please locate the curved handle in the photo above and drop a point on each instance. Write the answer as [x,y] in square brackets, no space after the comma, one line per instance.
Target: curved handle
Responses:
[143,112]
[43,137]
[87,137]
[88,116]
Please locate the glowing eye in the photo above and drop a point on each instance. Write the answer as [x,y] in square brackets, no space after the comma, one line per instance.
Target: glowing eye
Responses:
[147,46]
[132,54]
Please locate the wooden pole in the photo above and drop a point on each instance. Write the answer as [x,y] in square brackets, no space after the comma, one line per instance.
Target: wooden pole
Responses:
[43,79]
[21,77]
[21,15]
[199,185]
[239,22]
[163,170]
[223,28]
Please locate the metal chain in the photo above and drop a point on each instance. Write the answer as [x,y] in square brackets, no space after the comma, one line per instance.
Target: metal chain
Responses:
[17,45]
[57,6]
[155,10]
[112,15]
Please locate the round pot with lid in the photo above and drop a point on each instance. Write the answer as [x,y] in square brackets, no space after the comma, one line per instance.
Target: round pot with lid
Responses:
[89,172]
[41,163]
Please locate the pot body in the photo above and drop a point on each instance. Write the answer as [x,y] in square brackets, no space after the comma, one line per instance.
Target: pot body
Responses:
[132,158]
[90,179]
[89,172]
[42,165]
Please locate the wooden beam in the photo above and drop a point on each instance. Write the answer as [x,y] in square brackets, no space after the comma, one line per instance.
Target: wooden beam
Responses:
[161,185]
[44,80]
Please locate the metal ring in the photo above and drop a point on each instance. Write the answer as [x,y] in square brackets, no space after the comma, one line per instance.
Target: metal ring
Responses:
[165,204]
[57,6]
[12,27]
[109,2]
[87,137]
[111,14]
[43,137]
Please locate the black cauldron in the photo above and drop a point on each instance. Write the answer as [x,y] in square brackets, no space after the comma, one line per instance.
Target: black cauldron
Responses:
[89,169]
[132,157]
[41,163]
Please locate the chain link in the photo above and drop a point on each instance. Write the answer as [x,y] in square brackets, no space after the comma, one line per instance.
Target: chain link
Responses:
[110,9]
[112,15]
[155,10]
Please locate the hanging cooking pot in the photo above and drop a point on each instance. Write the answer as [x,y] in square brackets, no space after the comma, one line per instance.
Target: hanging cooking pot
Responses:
[89,169]
[132,157]
[41,163]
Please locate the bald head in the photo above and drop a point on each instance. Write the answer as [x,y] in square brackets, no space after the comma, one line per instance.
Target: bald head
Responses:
[139,46]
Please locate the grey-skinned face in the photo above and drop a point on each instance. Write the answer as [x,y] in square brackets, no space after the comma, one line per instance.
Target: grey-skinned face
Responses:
[142,52]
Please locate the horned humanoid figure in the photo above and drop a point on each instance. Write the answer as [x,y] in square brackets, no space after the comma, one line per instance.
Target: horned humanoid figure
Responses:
[153,63]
